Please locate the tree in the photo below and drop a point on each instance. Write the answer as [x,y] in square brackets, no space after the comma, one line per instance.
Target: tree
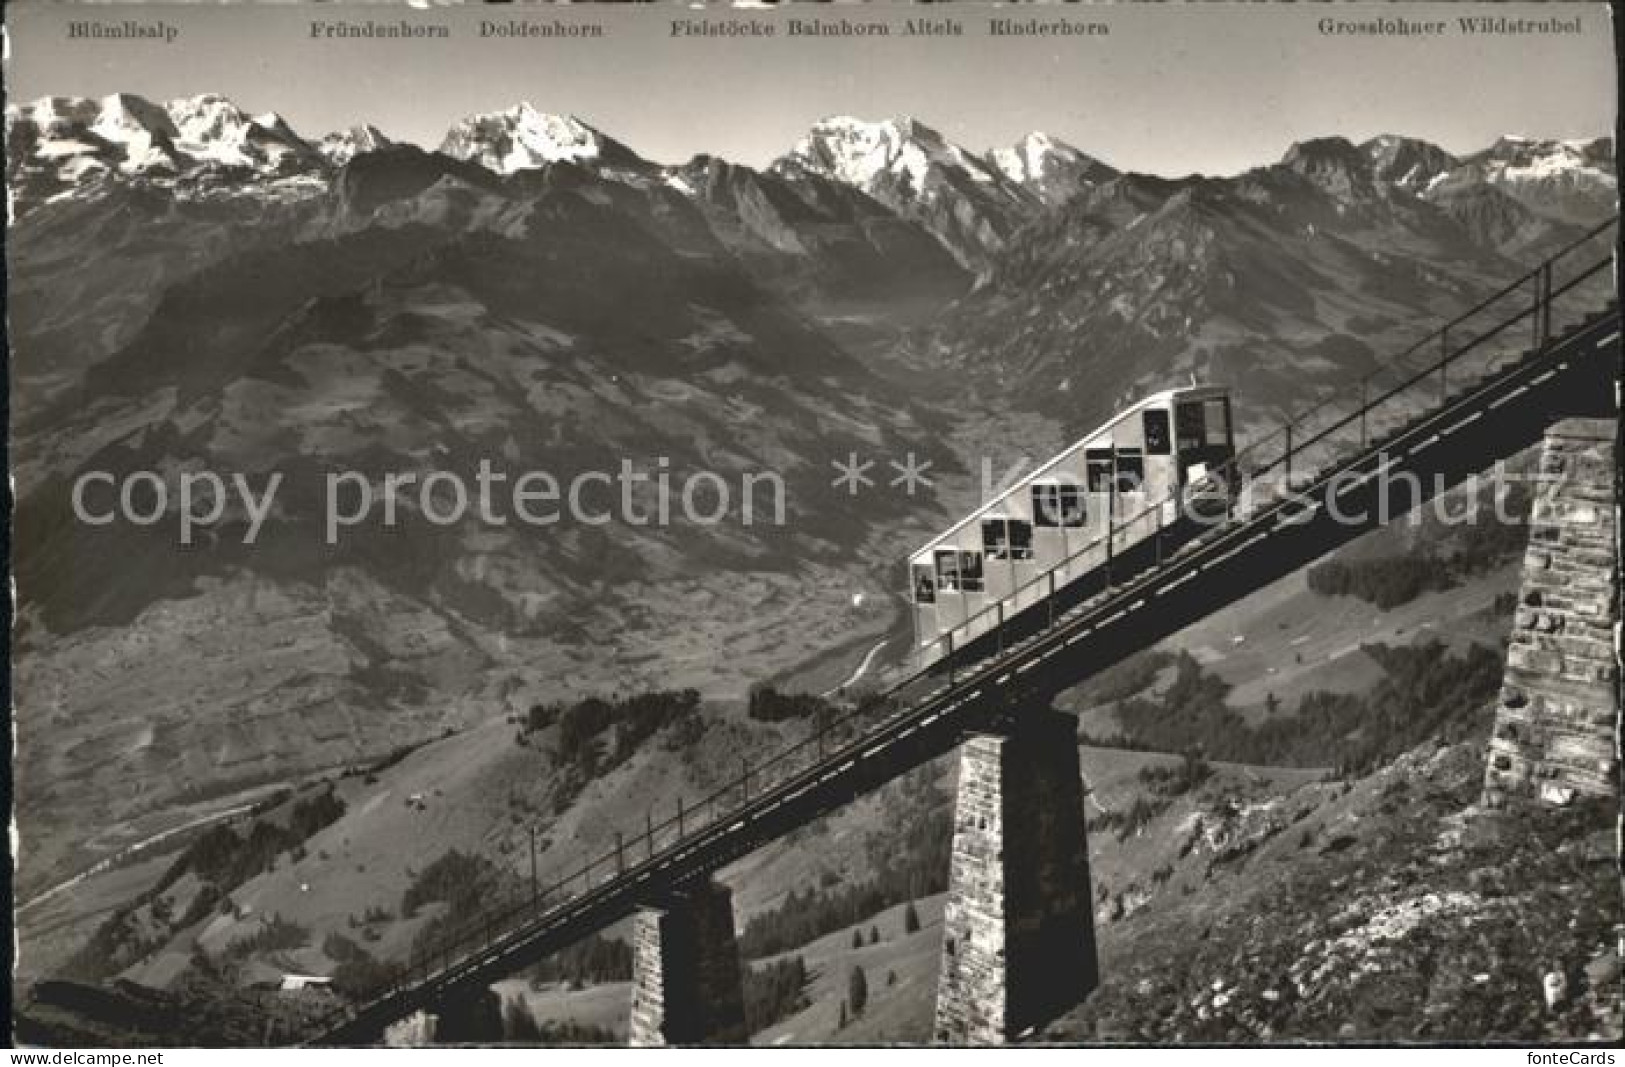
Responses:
[518,1024]
[874,935]
[842,1024]
[857,938]
[857,989]
[911,919]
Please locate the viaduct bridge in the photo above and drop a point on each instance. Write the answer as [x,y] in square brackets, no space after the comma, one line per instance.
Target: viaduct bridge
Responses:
[1018,946]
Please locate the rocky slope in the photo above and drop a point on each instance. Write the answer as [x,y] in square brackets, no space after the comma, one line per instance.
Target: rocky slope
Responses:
[1390,908]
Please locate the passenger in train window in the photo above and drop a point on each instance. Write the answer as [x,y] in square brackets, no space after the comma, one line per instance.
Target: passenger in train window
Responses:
[1098,469]
[925,587]
[1059,505]
[1046,504]
[970,572]
[1074,512]
[1130,471]
[1021,539]
[1155,421]
[993,539]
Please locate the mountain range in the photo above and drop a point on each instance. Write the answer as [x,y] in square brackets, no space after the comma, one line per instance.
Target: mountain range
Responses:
[194,287]
[971,202]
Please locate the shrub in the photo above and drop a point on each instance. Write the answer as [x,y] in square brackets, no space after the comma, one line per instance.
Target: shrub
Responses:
[857,990]
[916,863]
[773,992]
[274,935]
[1175,781]
[591,960]
[1425,689]
[769,705]
[456,878]
[1386,583]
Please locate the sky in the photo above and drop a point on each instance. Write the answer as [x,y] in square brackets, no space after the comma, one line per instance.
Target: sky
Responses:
[1172,89]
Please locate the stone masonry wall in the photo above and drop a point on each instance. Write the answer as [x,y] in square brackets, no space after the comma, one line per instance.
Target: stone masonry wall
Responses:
[1556,726]
[687,986]
[1018,927]
[415,1031]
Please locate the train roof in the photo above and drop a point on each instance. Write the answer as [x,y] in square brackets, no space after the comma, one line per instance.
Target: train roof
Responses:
[1200,392]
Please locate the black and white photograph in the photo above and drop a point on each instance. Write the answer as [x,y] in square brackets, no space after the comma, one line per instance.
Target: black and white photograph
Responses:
[792,525]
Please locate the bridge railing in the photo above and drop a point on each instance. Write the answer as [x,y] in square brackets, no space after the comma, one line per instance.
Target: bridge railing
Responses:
[1492,333]
[1523,315]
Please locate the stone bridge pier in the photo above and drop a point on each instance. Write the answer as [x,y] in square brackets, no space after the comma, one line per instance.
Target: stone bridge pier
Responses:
[687,986]
[1556,729]
[1018,943]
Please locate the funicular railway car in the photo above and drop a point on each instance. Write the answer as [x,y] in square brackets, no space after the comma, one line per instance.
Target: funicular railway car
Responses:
[1156,475]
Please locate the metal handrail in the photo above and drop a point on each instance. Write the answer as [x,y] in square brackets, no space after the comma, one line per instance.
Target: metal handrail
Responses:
[487,935]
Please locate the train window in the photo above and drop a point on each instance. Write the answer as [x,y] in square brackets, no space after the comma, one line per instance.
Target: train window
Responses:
[1073,511]
[1156,431]
[948,570]
[970,572]
[1058,504]
[925,584]
[1192,426]
[1130,471]
[1046,504]
[993,539]
[1097,464]
[1218,423]
[1021,539]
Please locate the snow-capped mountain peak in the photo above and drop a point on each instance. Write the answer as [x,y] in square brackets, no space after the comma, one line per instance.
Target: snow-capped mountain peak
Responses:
[77,137]
[122,115]
[863,153]
[56,144]
[1516,157]
[1049,167]
[522,138]
[1407,162]
[1028,159]
[341,146]
[210,126]
[212,129]
[1572,180]
[54,114]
